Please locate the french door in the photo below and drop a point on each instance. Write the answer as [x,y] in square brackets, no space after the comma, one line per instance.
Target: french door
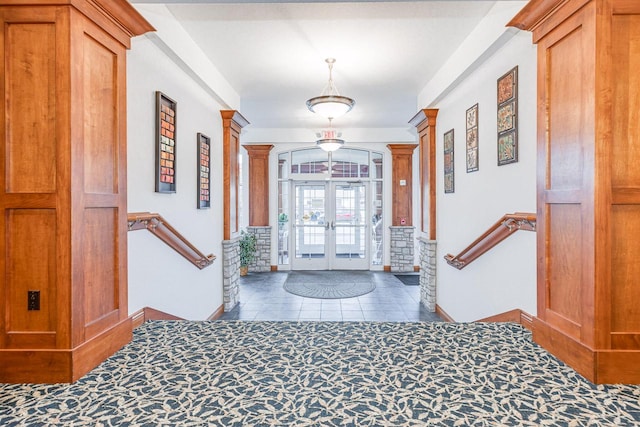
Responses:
[330,228]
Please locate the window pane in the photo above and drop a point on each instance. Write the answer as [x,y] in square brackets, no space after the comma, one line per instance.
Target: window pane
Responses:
[312,160]
[350,163]
[376,223]
[376,165]
[283,166]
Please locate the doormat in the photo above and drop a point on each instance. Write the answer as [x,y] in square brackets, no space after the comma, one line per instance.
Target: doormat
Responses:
[409,279]
[329,284]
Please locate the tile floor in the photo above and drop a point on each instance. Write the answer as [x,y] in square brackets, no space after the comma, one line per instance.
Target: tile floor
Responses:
[262,297]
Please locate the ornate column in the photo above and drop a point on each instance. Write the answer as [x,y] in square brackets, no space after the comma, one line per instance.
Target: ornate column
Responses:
[402,230]
[425,122]
[63,185]
[588,184]
[259,205]
[232,124]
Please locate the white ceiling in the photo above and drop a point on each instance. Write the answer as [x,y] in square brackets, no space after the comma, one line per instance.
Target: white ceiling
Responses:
[273,54]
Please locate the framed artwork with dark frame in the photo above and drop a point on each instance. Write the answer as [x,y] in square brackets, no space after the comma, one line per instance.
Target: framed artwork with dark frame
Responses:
[448,162]
[166,117]
[204,173]
[508,117]
[472,139]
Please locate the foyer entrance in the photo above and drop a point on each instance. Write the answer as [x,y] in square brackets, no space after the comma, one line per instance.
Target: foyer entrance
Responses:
[330,209]
[331,231]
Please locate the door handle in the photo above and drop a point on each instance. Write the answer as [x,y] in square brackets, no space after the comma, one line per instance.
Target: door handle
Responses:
[326,226]
[333,225]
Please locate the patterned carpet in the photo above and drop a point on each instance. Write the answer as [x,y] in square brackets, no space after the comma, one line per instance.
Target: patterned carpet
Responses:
[329,284]
[325,374]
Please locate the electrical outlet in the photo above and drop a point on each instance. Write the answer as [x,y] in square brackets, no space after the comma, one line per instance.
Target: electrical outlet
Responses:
[33,300]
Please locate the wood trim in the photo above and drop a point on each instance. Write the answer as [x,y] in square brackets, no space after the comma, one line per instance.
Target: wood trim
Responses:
[159,227]
[402,170]
[274,268]
[526,320]
[425,122]
[440,312]
[543,16]
[258,188]
[62,365]
[416,268]
[565,348]
[387,268]
[506,226]
[232,124]
[516,316]
[137,318]
[148,313]
[153,314]
[217,314]
[533,13]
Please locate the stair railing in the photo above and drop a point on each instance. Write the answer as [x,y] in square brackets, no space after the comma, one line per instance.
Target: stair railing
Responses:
[505,227]
[159,227]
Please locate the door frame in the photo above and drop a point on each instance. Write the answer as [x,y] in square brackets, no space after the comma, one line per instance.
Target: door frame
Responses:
[328,261]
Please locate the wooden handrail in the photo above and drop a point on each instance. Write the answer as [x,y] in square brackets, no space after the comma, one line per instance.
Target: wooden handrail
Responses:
[158,226]
[505,227]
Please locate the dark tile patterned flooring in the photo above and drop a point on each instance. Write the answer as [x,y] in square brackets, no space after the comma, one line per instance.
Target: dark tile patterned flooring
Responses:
[262,297]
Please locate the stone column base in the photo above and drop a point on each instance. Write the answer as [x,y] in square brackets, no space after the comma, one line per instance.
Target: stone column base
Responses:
[262,261]
[401,244]
[231,273]
[428,273]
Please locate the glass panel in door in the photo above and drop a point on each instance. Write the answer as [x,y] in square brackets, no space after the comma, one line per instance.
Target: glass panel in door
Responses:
[349,227]
[310,227]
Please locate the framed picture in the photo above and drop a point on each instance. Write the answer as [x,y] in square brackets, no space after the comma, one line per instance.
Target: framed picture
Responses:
[508,117]
[166,119]
[448,162]
[204,174]
[472,139]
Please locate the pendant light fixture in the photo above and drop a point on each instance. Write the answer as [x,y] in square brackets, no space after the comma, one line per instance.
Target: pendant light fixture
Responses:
[330,103]
[329,139]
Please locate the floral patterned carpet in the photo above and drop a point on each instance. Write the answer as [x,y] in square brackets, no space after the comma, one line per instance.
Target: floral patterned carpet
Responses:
[180,373]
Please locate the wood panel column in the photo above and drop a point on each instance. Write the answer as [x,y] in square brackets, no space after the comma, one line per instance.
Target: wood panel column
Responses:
[401,183]
[232,124]
[258,184]
[63,184]
[588,184]
[425,122]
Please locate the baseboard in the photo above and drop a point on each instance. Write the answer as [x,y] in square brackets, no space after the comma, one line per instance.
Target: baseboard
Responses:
[217,314]
[416,268]
[148,313]
[440,312]
[137,318]
[516,316]
[387,268]
[274,268]
[54,365]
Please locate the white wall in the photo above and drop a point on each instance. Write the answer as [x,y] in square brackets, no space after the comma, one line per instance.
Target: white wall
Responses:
[505,277]
[159,277]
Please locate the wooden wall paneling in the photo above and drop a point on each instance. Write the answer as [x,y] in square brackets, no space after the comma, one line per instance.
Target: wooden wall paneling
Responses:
[232,124]
[63,184]
[425,122]
[31,243]
[588,183]
[258,188]
[402,165]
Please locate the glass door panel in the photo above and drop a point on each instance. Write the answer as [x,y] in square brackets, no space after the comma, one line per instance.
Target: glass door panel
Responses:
[310,227]
[349,226]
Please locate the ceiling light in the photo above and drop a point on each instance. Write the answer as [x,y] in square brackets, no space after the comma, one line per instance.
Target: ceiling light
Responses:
[330,103]
[329,139]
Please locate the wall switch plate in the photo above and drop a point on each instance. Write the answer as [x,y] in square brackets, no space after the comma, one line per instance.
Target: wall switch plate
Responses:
[33,300]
